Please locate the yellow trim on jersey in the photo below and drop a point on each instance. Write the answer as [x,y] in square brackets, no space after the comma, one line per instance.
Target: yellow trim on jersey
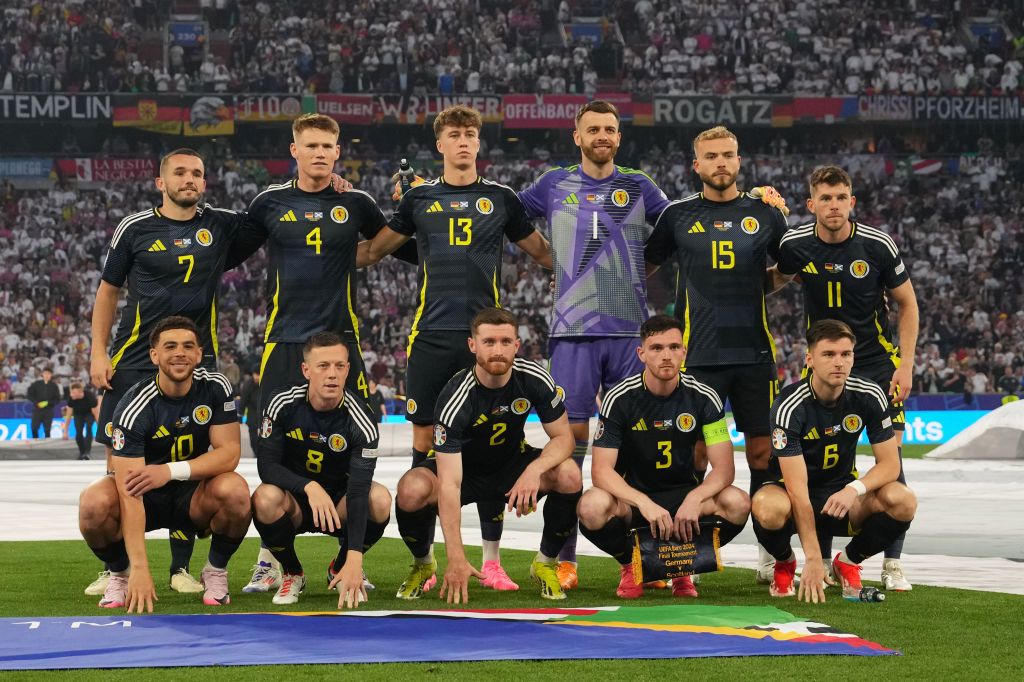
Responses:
[131,339]
[889,348]
[686,328]
[273,312]
[419,313]
[497,296]
[213,327]
[716,433]
[351,311]
[767,331]
[267,350]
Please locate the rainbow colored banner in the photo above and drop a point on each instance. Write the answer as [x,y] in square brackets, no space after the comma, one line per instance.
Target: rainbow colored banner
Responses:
[685,631]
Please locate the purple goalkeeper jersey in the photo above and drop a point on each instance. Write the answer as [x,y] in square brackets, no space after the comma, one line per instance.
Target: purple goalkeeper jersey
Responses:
[598,229]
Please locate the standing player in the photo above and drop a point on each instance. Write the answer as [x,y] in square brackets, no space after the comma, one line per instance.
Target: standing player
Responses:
[814,483]
[460,221]
[722,238]
[643,467]
[597,215]
[312,233]
[316,456]
[171,258]
[44,394]
[849,271]
[482,454]
[176,444]
[83,410]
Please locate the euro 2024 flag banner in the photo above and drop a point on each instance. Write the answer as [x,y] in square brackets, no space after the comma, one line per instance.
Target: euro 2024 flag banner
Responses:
[685,631]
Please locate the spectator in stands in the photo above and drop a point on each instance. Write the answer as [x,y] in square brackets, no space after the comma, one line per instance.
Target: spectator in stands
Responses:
[44,395]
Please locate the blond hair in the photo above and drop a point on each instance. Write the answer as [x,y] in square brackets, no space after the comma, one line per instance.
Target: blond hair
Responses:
[716,133]
[315,122]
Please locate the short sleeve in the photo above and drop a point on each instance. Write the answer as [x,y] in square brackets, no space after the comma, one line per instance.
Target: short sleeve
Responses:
[125,441]
[224,409]
[120,257]
[894,273]
[452,414]
[779,228]
[662,242]
[373,217]
[402,219]
[785,433]
[878,422]
[609,428]
[535,197]
[547,398]
[517,226]
[655,201]
[787,258]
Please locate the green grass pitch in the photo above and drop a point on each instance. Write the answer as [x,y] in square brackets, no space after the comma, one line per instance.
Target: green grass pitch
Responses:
[942,632]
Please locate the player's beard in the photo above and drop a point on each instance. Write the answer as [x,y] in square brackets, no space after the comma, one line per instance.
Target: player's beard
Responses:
[600,155]
[496,366]
[178,199]
[719,183]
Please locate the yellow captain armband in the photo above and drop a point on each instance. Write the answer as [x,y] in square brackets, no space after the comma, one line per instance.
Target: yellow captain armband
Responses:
[716,433]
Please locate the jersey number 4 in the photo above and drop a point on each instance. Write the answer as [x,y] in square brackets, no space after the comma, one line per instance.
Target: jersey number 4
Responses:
[313,239]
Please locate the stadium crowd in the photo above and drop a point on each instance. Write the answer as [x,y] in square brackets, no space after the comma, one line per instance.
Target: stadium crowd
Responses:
[972,308]
[501,46]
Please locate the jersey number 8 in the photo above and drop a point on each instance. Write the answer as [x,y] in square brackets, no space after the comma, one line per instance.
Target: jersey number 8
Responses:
[314,461]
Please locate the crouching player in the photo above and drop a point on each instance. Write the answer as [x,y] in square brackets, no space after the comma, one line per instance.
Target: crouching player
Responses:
[316,455]
[643,468]
[481,454]
[814,482]
[176,444]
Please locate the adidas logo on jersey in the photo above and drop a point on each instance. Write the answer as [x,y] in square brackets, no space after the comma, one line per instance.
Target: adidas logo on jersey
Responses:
[161,432]
[810,269]
[571,200]
[295,434]
[435,207]
[696,229]
[288,217]
[158,246]
[812,434]
[481,420]
[640,426]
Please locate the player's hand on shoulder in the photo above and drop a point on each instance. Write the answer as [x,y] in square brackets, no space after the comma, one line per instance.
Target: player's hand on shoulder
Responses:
[141,592]
[397,179]
[812,582]
[769,195]
[150,477]
[340,184]
[325,514]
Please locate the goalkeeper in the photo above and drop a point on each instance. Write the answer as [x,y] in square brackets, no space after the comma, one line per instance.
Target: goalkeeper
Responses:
[643,468]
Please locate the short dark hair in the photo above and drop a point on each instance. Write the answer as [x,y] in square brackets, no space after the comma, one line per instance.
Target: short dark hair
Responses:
[829,175]
[493,316]
[48,369]
[829,330]
[76,384]
[458,116]
[169,323]
[181,151]
[598,106]
[323,339]
[659,324]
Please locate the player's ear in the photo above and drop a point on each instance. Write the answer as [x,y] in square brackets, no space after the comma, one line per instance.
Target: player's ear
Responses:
[305,370]
[810,204]
[576,137]
[293,148]
[159,182]
[853,201]
[472,345]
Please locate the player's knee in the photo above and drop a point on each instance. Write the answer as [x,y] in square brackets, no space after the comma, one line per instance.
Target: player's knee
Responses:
[96,502]
[380,503]
[734,503]
[770,509]
[899,501]
[267,503]
[594,508]
[413,491]
[569,477]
